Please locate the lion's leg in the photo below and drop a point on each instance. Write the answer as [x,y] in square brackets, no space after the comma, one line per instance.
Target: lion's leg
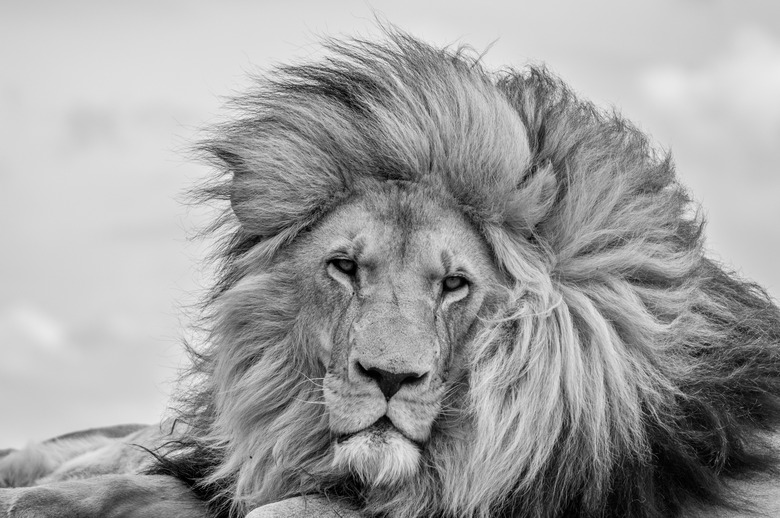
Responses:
[107,496]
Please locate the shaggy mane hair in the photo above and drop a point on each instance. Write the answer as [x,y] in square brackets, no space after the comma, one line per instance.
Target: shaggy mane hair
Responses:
[628,375]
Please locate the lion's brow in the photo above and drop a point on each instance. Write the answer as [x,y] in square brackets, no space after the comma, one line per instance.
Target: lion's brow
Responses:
[446,260]
[354,246]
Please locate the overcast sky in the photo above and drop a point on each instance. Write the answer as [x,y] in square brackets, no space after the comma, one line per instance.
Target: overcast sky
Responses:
[99,100]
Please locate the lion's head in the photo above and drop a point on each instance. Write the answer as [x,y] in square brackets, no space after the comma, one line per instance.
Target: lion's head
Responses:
[450,292]
[397,280]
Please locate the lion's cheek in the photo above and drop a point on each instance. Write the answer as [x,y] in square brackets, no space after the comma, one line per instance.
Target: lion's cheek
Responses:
[379,458]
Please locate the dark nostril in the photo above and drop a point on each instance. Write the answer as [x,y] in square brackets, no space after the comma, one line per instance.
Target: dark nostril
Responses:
[389,382]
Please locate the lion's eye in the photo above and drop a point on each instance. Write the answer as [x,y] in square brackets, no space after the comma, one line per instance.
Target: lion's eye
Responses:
[345,266]
[453,283]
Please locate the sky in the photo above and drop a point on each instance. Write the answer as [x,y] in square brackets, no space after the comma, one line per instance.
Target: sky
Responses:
[100,102]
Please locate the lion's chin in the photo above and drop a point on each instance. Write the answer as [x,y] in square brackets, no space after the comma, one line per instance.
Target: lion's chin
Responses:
[379,454]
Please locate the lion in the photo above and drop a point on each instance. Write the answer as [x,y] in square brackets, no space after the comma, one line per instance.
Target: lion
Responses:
[445,292]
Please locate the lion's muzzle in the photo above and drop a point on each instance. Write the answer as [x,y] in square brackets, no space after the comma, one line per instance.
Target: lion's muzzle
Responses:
[383,391]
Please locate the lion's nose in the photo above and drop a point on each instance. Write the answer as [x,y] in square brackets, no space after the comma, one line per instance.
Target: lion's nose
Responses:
[390,382]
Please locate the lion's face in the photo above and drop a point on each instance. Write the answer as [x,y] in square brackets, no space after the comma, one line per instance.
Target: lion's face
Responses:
[396,281]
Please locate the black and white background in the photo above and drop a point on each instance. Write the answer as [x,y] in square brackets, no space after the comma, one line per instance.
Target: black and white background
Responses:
[99,101]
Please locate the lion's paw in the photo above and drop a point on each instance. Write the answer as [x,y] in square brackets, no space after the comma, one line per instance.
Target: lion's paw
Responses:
[305,507]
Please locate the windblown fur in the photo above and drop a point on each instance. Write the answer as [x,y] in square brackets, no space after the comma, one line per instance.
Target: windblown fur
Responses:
[628,375]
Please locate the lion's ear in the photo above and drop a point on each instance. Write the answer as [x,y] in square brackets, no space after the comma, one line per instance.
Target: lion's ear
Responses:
[267,194]
[249,187]
[240,191]
[532,201]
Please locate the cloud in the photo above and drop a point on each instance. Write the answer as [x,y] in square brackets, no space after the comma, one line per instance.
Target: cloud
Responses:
[739,87]
[57,376]
[721,119]
[28,335]
[33,327]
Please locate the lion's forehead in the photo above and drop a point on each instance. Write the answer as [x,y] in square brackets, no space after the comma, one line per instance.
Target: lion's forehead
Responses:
[402,230]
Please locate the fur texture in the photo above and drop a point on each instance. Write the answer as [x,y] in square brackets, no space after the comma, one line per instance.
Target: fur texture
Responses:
[626,374]
[70,453]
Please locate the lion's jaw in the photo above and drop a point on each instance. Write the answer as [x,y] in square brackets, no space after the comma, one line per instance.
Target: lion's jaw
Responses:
[379,454]
[394,318]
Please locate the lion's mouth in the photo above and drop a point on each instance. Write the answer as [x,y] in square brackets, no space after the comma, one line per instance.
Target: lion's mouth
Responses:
[378,430]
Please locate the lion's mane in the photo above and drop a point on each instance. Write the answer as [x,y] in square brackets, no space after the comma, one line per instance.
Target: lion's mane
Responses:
[629,375]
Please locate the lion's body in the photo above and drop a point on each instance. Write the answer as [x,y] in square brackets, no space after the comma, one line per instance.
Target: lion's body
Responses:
[450,293]
[78,455]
